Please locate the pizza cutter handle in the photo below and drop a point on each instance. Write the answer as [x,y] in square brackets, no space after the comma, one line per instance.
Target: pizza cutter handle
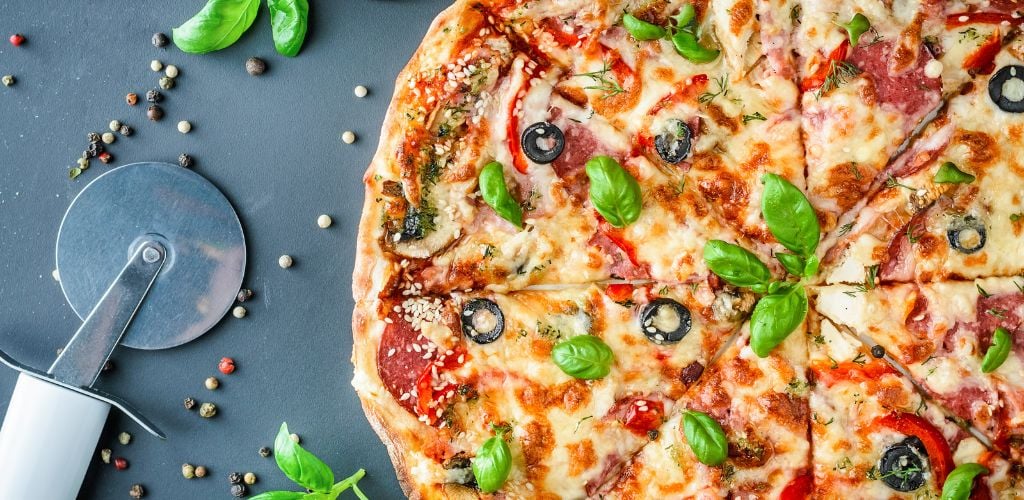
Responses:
[47,440]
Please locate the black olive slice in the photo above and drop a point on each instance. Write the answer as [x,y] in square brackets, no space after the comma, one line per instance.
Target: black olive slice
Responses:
[966,235]
[665,321]
[482,321]
[1006,88]
[542,142]
[903,464]
[673,144]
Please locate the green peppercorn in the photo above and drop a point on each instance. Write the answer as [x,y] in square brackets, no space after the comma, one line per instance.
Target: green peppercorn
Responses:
[136,491]
[105,455]
[188,471]
[167,83]
[207,410]
[7,80]
[124,438]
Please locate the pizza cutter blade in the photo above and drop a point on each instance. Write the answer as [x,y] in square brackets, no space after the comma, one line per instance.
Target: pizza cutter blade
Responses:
[149,255]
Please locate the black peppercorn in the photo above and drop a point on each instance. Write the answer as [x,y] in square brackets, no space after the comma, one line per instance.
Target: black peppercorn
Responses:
[255,66]
[184,160]
[154,96]
[239,490]
[125,130]
[109,365]
[190,403]
[160,40]
[136,491]
[265,452]
[244,295]
[878,351]
[94,149]
[653,434]
[94,137]
[235,478]
[155,113]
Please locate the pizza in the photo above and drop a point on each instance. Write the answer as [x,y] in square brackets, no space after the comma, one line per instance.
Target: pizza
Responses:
[700,249]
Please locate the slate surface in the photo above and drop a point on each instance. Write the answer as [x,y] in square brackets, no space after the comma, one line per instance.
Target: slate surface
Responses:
[272,144]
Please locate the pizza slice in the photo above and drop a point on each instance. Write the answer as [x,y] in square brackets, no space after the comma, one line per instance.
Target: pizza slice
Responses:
[943,333]
[951,206]
[760,404]
[875,436]
[576,380]
[871,72]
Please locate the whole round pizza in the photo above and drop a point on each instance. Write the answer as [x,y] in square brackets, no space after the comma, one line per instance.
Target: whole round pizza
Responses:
[700,249]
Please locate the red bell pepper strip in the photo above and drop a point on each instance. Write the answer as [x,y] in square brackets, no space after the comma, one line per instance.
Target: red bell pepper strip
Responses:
[982,61]
[935,443]
[799,488]
[817,79]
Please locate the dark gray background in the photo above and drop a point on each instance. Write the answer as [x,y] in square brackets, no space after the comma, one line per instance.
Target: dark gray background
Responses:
[272,144]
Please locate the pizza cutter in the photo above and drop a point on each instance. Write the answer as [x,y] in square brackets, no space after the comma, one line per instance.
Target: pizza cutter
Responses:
[149,255]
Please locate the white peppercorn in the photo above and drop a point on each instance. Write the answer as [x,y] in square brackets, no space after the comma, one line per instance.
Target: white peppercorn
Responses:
[348,137]
[212,383]
[108,138]
[184,127]
[360,91]
[285,261]
[156,65]
[239,312]
[324,221]
[171,71]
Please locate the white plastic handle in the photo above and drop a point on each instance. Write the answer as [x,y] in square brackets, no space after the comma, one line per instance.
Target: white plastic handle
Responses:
[47,440]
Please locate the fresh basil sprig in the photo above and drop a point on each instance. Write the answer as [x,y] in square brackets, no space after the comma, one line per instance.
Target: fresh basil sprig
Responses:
[613,191]
[642,30]
[218,25]
[857,26]
[948,173]
[684,34]
[289,22]
[789,216]
[222,22]
[495,194]
[309,472]
[775,316]
[736,265]
[960,482]
[705,437]
[492,463]
[583,356]
[997,351]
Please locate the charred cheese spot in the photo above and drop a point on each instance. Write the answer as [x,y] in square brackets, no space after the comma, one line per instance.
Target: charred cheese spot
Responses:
[929,246]
[739,15]
[574,95]
[664,74]
[982,149]
[717,115]
[729,194]
[889,394]
[581,457]
[537,443]
[786,409]
[760,157]
[847,183]
[908,46]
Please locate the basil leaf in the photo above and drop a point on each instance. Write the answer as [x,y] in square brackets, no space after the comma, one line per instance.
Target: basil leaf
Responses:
[997,351]
[685,16]
[960,482]
[794,264]
[949,174]
[584,357]
[789,216]
[705,437]
[495,194]
[775,317]
[811,268]
[289,21]
[689,47]
[640,29]
[613,191]
[279,495]
[301,466]
[492,464]
[857,26]
[220,24]
[735,264]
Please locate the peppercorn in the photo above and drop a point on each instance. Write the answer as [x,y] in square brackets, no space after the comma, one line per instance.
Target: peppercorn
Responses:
[171,71]
[154,96]
[106,157]
[188,471]
[114,125]
[17,39]
[156,65]
[295,438]
[249,478]
[94,149]
[83,163]
[184,127]
[7,80]
[200,471]
[125,130]
[324,221]
[244,295]
[74,173]
[878,351]
[132,98]
[108,365]
[255,66]
[212,383]
[239,312]
[105,455]
[136,491]
[265,452]
[94,137]
[207,410]
[124,438]
[184,160]
[239,490]
[155,113]
[120,463]
[190,403]
[226,366]
[160,40]
[285,261]
[235,478]
[109,137]
[167,83]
